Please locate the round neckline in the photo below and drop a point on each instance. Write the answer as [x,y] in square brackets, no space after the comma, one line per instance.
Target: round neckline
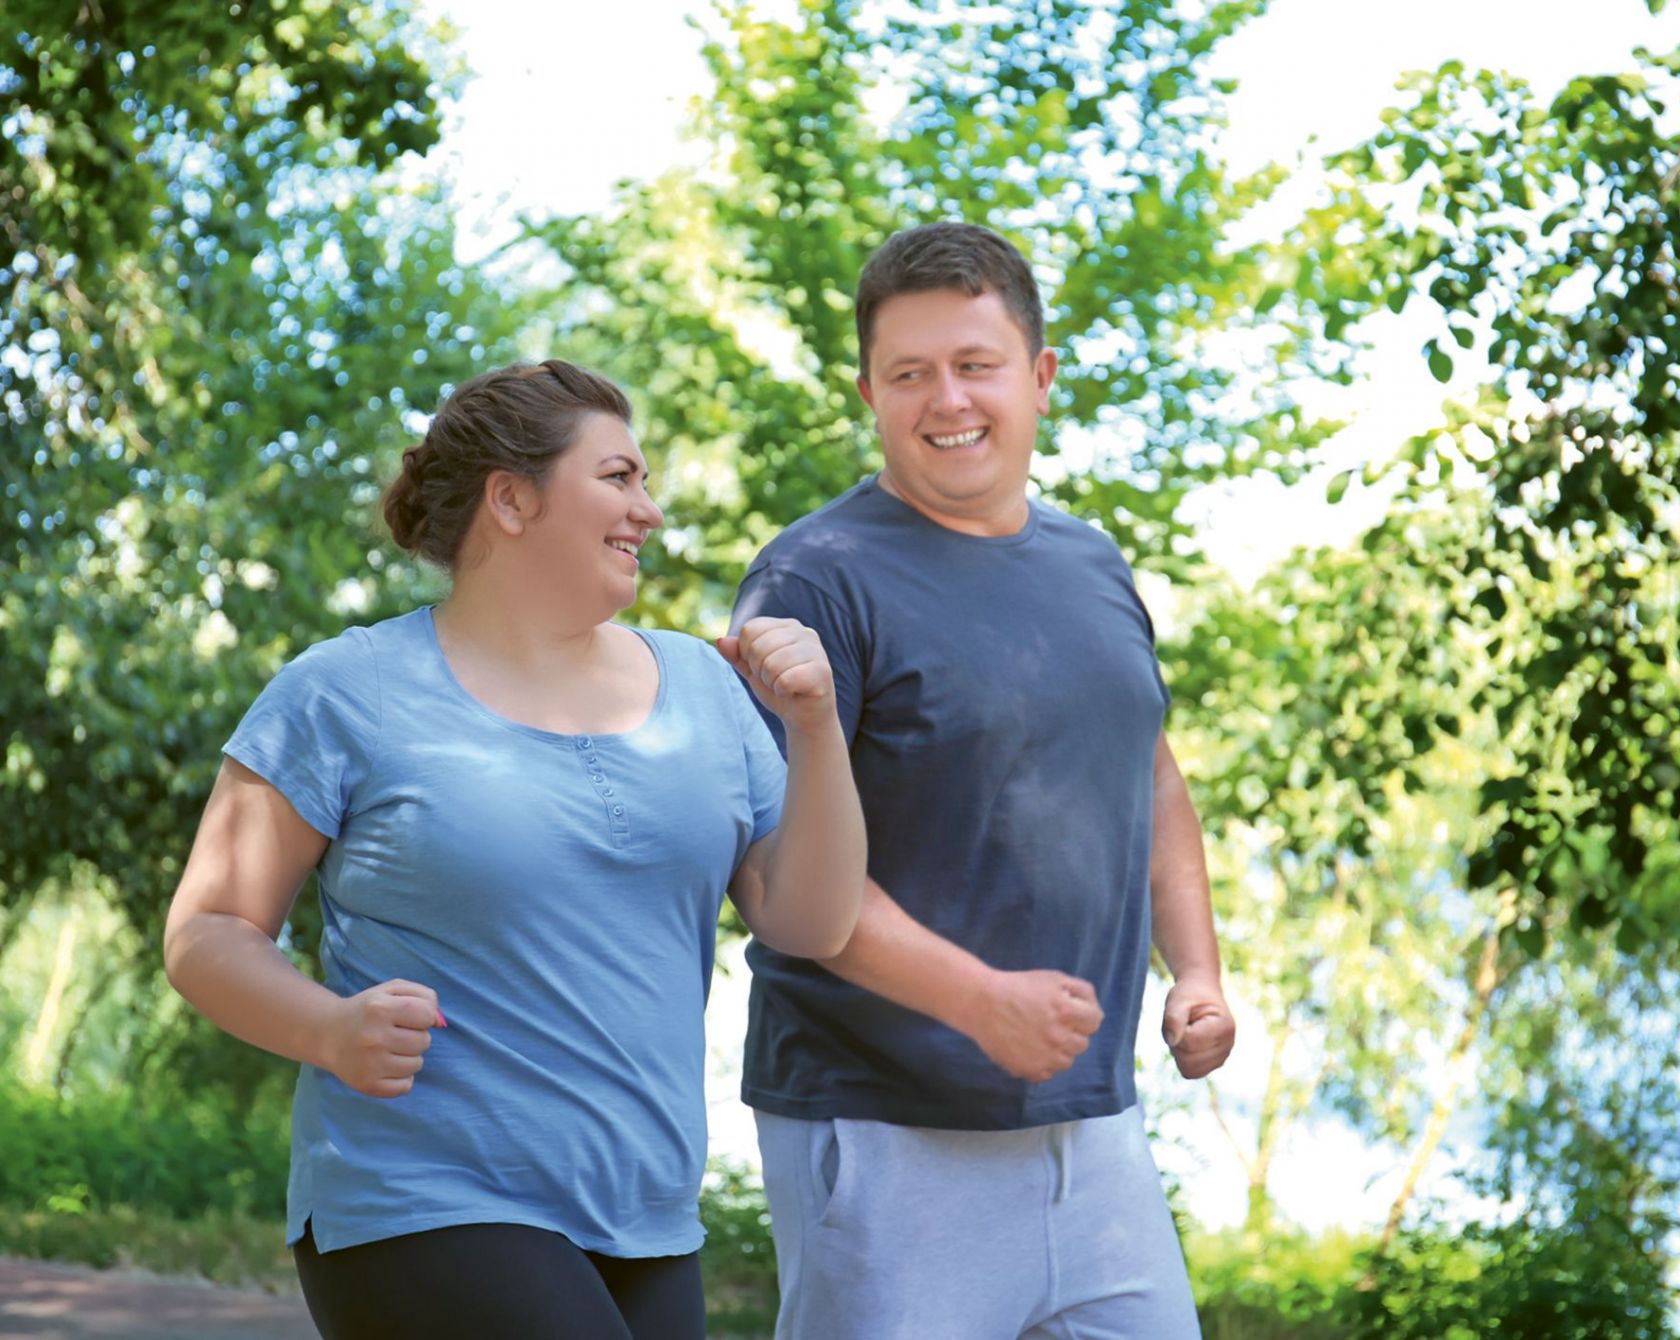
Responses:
[1027,531]
[537,732]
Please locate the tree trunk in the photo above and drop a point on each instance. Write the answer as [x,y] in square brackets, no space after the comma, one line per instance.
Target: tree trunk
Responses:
[1487,978]
[46,1021]
[1267,1129]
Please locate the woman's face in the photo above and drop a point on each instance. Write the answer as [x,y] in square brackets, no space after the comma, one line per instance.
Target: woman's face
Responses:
[595,513]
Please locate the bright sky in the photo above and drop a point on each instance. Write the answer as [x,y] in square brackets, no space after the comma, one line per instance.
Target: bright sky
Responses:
[570,98]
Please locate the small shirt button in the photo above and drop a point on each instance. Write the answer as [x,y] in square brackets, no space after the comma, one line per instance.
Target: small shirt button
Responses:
[618,809]
[592,759]
[607,792]
[586,743]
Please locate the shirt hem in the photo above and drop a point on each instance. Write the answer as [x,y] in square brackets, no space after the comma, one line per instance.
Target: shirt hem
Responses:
[899,1111]
[336,1236]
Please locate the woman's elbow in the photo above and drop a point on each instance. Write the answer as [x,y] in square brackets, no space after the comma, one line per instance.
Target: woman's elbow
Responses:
[174,948]
[184,931]
[815,939]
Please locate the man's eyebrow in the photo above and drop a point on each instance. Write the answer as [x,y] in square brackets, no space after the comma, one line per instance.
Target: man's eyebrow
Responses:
[902,359]
[966,351]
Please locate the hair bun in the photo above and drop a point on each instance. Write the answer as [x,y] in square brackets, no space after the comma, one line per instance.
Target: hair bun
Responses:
[405,507]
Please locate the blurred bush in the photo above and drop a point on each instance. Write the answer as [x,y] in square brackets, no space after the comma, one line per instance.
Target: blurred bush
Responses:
[1287,1287]
[179,1158]
[1587,1280]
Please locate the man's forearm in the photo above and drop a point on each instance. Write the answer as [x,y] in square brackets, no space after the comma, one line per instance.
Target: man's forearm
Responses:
[1180,902]
[1196,1021]
[895,956]
[1032,1023]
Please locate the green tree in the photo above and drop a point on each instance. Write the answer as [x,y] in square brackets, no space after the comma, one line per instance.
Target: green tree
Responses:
[220,310]
[1542,234]
[1446,758]
[1581,1158]
[1337,827]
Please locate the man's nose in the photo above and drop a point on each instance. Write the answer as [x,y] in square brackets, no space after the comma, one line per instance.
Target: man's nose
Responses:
[949,393]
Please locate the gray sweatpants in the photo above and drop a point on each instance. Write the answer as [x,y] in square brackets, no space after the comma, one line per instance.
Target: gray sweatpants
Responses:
[901,1233]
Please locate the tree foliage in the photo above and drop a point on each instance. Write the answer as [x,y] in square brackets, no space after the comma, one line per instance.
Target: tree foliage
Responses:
[1442,762]
[1543,235]
[217,313]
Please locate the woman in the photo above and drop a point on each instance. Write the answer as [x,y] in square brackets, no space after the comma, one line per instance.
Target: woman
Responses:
[524,817]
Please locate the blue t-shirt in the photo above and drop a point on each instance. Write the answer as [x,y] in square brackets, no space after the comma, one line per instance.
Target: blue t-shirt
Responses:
[1003,703]
[559,892]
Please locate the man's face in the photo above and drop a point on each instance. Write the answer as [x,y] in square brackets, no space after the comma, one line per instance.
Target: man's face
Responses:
[957,398]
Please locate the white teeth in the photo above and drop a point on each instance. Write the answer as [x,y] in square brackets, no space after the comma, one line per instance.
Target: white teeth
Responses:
[623,545]
[958,439]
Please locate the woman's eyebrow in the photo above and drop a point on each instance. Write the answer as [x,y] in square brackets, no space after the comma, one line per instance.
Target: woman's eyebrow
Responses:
[636,467]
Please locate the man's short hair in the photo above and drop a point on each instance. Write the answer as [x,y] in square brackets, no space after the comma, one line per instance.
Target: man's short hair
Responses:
[949,255]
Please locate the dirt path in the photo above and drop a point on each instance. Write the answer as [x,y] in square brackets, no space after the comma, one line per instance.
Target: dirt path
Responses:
[57,1302]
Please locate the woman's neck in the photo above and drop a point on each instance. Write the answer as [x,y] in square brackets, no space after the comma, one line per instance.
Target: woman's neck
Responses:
[486,620]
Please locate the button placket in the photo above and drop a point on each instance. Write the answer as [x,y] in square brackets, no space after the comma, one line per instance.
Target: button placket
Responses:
[618,822]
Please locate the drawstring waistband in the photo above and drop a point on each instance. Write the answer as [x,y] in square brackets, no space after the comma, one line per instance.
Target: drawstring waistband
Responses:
[1061,1150]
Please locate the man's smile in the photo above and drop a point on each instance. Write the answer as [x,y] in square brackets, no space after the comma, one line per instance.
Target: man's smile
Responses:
[945,441]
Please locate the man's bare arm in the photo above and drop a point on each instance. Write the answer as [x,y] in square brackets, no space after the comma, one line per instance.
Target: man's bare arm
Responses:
[1032,1023]
[1196,1023]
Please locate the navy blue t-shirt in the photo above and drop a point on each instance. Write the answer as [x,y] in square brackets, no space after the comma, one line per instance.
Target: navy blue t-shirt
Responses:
[1003,704]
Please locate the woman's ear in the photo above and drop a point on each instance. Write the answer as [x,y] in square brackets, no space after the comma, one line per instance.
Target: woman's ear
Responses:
[509,501]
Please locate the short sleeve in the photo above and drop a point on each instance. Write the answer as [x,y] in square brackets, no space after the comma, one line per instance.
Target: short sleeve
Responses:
[766,772]
[1149,629]
[312,731]
[776,593]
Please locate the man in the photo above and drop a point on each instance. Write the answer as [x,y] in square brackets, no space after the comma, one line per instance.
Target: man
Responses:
[951,1141]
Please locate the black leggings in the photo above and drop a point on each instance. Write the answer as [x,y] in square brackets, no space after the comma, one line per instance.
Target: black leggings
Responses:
[497,1282]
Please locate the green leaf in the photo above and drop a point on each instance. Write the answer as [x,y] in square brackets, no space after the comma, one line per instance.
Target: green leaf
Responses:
[1440,365]
[1530,937]
[1338,486]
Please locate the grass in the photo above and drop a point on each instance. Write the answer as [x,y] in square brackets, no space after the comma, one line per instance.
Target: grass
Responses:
[226,1248]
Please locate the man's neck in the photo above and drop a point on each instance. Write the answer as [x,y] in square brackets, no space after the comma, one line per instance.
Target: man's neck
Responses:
[1007,518]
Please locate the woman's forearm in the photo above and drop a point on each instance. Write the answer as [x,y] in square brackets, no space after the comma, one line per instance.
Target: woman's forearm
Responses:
[818,863]
[234,975]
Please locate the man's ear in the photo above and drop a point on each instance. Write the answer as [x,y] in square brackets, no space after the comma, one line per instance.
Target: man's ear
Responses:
[509,501]
[863,389]
[1044,373]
